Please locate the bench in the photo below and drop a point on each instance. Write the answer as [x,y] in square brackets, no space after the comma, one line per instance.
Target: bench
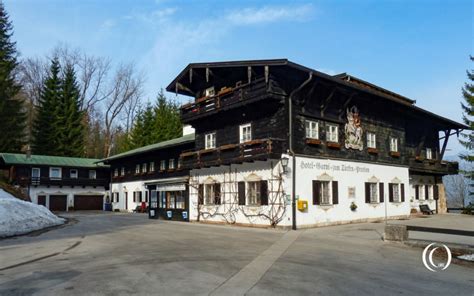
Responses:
[425,209]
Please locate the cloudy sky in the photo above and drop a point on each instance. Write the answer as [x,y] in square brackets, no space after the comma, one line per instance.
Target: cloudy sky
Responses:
[419,49]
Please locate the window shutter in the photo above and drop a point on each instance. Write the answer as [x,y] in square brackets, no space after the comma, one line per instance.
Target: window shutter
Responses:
[435,192]
[201,194]
[335,193]
[390,191]
[426,192]
[134,196]
[217,193]
[417,191]
[146,196]
[402,191]
[241,188]
[316,191]
[140,195]
[367,192]
[381,193]
[263,193]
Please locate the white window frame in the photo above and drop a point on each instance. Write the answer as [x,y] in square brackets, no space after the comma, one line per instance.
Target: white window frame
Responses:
[122,171]
[171,164]
[312,129]
[421,192]
[152,166]
[75,175]
[92,174]
[116,172]
[393,144]
[371,140]
[396,192]
[325,192]
[332,133]
[210,141]
[51,169]
[209,194]
[144,167]
[374,194]
[163,165]
[35,170]
[429,153]
[254,193]
[430,192]
[137,169]
[245,132]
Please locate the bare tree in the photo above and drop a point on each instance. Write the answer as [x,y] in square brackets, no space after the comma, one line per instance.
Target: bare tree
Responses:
[456,187]
[127,85]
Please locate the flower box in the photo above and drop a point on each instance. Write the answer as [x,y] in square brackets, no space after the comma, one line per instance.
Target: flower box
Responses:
[394,154]
[313,141]
[372,151]
[333,145]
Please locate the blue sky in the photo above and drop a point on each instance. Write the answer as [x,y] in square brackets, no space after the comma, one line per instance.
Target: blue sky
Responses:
[419,49]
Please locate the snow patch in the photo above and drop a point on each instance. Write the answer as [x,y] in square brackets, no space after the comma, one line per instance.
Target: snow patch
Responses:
[469,257]
[20,217]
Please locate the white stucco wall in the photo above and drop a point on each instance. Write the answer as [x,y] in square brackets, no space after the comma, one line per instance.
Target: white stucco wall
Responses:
[128,187]
[65,190]
[422,180]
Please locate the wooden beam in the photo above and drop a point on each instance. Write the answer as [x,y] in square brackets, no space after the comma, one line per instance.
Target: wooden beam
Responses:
[182,87]
[249,74]
[420,145]
[345,105]
[325,104]
[267,73]
[190,75]
[445,143]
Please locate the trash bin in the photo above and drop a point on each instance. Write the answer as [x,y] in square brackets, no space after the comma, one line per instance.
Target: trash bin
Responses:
[108,207]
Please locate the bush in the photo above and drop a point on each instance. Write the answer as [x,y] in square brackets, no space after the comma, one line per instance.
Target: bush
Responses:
[469,210]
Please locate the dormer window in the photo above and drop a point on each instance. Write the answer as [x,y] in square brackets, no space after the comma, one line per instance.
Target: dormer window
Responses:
[209,92]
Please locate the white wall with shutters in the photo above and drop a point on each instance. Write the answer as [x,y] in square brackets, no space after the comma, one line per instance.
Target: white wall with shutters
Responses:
[41,190]
[421,180]
[350,176]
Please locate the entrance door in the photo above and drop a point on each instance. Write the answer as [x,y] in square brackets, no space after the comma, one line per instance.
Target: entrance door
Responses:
[42,200]
[57,202]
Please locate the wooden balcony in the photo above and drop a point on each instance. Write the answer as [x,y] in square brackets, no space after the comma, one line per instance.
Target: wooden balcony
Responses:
[228,98]
[433,166]
[45,181]
[254,150]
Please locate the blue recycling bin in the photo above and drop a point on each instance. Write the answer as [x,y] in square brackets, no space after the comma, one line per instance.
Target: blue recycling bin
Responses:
[108,207]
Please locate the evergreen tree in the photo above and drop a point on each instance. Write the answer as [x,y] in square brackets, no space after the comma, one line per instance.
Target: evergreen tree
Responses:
[468,118]
[12,115]
[70,117]
[46,133]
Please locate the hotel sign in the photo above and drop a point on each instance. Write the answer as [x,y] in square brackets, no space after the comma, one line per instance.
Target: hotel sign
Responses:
[312,165]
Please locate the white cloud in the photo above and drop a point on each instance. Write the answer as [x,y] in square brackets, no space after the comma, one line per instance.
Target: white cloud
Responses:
[156,16]
[107,24]
[268,14]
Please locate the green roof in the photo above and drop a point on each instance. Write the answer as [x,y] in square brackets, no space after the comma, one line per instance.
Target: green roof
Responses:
[157,146]
[22,159]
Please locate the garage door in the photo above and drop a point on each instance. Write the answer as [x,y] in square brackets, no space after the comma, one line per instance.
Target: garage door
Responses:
[57,202]
[88,202]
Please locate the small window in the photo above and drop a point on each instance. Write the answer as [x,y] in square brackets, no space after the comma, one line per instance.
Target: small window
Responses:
[55,173]
[393,144]
[209,194]
[144,168]
[429,153]
[325,193]
[210,141]
[162,165]
[137,169]
[115,197]
[312,129]
[73,174]
[332,133]
[116,173]
[245,132]
[152,166]
[180,163]
[171,164]
[92,174]
[371,143]
[35,173]
[373,191]
[429,191]
[253,193]
[394,193]
[209,92]
[122,171]
[421,192]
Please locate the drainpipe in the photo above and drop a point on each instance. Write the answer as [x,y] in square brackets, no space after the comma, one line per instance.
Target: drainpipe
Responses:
[292,153]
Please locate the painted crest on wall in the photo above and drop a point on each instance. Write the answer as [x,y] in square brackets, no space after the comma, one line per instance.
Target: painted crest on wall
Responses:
[353,130]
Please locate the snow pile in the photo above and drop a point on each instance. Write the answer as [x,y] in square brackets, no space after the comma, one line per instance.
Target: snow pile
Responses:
[469,257]
[20,217]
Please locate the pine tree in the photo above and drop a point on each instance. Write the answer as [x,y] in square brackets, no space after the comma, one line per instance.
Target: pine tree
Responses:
[12,115]
[70,118]
[468,118]
[46,131]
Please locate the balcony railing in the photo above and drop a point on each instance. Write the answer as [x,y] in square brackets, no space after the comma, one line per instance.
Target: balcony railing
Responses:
[63,182]
[433,166]
[228,98]
[261,149]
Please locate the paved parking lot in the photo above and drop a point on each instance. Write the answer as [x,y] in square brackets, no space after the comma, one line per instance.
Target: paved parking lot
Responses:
[118,254]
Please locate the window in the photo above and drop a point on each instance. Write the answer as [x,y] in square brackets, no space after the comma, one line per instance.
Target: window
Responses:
[92,174]
[179,163]
[122,171]
[73,174]
[115,197]
[332,133]
[171,164]
[253,193]
[137,169]
[210,141]
[137,196]
[393,144]
[429,153]
[171,200]
[421,190]
[144,167]
[152,166]
[312,129]
[373,193]
[209,194]
[371,140]
[209,91]
[35,173]
[162,165]
[394,192]
[325,192]
[116,173]
[180,203]
[55,173]
[429,191]
[245,133]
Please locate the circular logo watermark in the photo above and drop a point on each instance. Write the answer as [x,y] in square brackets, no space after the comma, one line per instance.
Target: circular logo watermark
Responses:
[428,257]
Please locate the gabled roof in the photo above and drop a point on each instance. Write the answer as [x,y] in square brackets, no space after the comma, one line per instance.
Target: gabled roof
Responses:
[23,159]
[161,145]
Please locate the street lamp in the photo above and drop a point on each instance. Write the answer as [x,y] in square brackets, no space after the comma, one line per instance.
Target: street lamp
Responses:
[284,163]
